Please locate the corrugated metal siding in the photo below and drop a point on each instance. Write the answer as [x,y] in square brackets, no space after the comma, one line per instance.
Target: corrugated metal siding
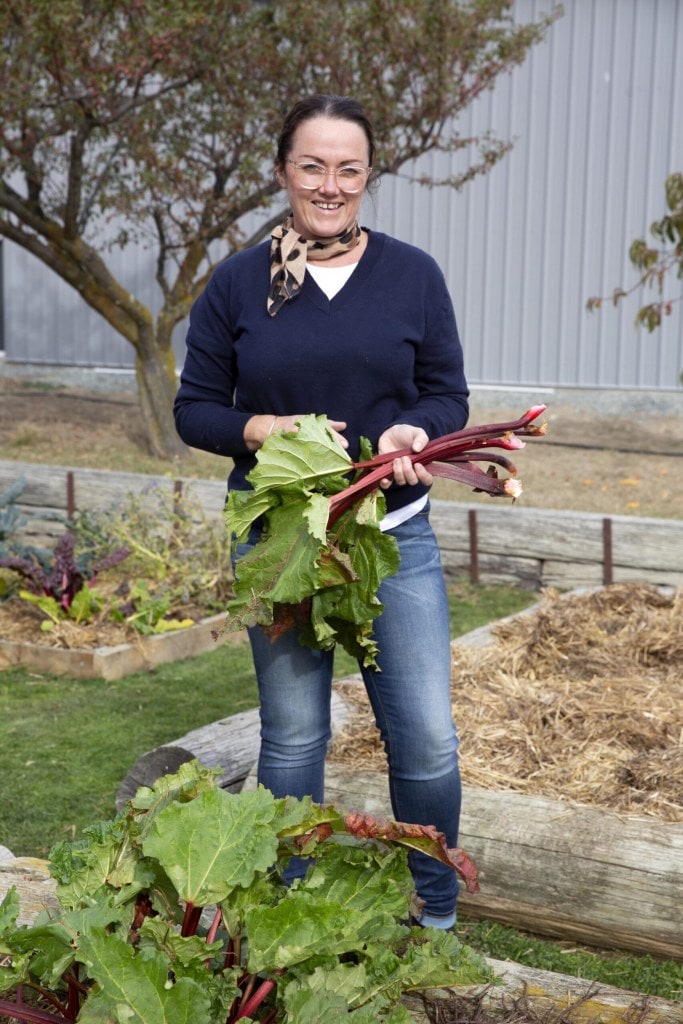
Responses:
[47,322]
[596,114]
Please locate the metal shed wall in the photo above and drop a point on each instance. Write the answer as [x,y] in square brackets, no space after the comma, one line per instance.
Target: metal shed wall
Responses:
[596,114]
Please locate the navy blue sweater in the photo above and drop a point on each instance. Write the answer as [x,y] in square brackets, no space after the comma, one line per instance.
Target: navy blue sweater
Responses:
[384,350]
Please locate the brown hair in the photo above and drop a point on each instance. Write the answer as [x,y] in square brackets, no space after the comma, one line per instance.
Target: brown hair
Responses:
[343,108]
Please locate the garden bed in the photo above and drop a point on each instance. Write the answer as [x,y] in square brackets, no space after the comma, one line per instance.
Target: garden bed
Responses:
[571,720]
[81,654]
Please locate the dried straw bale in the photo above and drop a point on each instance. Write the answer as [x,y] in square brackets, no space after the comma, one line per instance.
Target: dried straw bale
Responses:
[580,700]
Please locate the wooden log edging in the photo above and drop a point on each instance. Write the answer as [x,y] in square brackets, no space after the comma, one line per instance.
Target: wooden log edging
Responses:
[560,997]
[231,744]
[556,869]
[496,543]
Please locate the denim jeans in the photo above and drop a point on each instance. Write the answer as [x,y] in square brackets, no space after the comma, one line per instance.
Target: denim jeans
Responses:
[410,698]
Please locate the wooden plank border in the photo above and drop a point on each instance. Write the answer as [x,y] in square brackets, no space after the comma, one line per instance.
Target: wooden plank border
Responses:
[487,543]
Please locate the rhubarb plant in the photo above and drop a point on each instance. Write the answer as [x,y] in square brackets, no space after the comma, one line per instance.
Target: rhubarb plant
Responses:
[177,911]
[322,555]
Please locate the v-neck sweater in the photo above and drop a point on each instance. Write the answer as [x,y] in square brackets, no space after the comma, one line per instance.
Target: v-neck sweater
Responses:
[384,350]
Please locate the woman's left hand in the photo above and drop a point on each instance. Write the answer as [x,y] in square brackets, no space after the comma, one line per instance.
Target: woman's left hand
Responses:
[403,435]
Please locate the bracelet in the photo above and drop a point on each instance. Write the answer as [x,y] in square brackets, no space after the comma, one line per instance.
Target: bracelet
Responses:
[272,426]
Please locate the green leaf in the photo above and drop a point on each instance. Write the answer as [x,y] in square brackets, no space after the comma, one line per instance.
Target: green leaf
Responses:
[243,508]
[82,868]
[299,458]
[188,953]
[440,960]
[50,942]
[191,779]
[367,881]
[296,929]
[85,605]
[297,560]
[134,989]
[284,568]
[315,998]
[9,909]
[48,605]
[215,843]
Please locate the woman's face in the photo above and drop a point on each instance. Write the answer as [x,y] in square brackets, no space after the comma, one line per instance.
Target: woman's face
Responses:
[322,212]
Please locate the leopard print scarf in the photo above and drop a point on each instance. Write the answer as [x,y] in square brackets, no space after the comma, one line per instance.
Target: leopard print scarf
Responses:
[288,253]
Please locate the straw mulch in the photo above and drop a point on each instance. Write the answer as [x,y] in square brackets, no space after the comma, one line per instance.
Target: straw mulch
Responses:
[581,699]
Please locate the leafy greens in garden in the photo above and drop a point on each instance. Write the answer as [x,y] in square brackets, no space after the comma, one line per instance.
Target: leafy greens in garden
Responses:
[176,911]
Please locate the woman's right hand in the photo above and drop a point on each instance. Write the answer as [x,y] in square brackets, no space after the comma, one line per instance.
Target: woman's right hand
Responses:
[260,427]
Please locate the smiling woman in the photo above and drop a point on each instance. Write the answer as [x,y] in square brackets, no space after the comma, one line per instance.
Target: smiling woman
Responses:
[373,348]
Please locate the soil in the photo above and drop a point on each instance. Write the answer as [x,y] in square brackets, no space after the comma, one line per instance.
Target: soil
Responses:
[589,460]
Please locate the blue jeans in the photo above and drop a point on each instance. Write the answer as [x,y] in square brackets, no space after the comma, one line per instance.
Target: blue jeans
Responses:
[410,698]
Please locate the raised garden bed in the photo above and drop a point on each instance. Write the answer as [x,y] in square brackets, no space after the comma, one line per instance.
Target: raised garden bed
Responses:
[112,661]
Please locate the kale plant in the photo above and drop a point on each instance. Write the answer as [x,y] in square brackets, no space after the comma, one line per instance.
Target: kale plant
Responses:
[64,587]
[12,522]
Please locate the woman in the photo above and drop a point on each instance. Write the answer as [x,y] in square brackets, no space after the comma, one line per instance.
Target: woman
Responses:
[330,318]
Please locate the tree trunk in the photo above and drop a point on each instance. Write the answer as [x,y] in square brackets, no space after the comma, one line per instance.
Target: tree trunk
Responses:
[156,380]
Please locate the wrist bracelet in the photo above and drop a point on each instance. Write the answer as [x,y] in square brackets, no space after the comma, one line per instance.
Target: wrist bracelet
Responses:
[272,426]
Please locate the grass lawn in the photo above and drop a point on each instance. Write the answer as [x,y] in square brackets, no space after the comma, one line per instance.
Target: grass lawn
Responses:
[66,745]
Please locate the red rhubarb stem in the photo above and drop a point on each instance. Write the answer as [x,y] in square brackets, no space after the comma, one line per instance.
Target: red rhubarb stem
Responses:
[259,995]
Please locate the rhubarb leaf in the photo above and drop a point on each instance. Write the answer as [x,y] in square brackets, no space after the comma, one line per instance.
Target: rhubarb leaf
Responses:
[441,961]
[215,843]
[348,611]
[362,881]
[188,781]
[301,458]
[284,568]
[187,952]
[295,929]
[83,867]
[136,989]
[358,892]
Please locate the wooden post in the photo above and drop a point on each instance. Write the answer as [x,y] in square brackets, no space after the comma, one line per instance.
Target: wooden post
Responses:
[607,563]
[70,495]
[474,545]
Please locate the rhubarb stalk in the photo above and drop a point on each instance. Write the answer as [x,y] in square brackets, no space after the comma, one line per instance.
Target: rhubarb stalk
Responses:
[450,456]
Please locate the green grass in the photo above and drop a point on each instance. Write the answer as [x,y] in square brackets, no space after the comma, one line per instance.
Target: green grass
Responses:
[663,978]
[66,745]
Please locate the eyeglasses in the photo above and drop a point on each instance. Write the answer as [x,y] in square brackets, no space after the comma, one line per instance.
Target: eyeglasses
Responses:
[309,174]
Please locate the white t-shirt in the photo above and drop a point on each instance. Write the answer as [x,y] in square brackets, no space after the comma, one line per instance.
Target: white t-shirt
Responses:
[330,279]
